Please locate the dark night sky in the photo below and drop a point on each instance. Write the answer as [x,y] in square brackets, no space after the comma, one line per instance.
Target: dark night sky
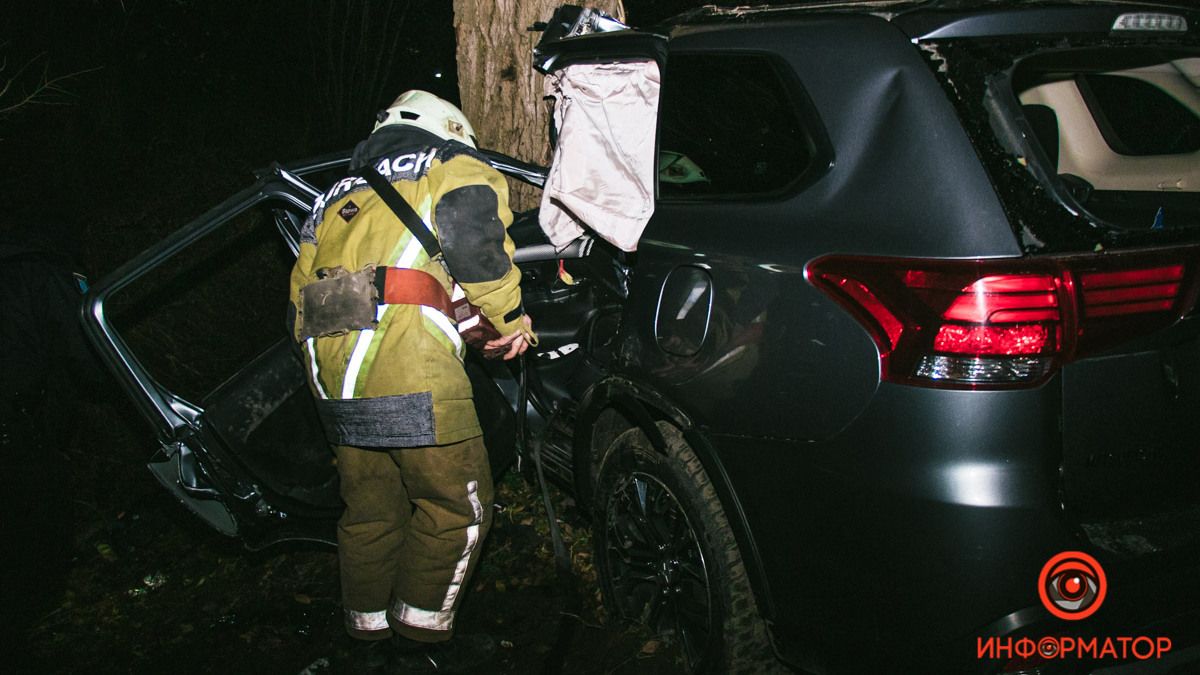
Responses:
[179,97]
[254,76]
[211,73]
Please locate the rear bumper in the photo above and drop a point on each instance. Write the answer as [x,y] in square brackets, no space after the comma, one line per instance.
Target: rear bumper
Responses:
[923,527]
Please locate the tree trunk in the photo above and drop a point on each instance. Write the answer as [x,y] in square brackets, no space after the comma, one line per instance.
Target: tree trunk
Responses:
[500,91]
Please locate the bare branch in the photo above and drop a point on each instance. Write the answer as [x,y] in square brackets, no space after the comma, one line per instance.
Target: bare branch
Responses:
[47,90]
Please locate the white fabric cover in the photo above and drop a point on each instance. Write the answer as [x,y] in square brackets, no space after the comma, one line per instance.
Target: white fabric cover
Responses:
[603,170]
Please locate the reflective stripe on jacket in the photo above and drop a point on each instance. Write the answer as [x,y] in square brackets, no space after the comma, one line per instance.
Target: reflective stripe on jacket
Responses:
[402,384]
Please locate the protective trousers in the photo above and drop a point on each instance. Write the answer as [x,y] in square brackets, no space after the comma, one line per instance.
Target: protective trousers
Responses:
[410,536]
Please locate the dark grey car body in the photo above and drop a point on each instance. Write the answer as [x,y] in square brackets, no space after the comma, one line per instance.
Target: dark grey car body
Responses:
[880,523]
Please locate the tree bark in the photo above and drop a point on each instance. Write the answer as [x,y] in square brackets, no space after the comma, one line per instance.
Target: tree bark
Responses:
[500,91]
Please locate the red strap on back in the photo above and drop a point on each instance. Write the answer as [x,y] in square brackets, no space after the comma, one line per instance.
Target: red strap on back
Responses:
[414,287]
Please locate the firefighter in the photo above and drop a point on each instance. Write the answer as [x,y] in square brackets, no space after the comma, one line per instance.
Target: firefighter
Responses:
[390,385]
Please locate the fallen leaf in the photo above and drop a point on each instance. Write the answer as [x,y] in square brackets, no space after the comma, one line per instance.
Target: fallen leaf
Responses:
[650,647]
[106,552]
[153,581]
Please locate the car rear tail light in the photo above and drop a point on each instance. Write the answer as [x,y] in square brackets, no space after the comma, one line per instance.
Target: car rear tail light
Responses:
[1005,323]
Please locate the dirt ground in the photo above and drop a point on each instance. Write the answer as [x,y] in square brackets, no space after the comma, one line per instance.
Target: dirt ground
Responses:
[151,589]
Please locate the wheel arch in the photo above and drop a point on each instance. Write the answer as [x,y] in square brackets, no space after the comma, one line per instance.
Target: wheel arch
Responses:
[616,405]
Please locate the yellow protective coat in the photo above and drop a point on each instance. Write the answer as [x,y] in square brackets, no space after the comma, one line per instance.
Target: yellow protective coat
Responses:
[403,384]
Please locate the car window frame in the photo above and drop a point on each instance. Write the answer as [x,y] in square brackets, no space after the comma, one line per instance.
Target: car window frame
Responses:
[807,116]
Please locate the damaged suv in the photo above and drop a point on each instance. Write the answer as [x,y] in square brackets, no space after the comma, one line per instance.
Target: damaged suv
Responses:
[914,313]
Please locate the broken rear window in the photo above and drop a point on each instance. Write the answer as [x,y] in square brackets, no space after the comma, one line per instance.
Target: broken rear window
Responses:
[1090,141]
[1120,129]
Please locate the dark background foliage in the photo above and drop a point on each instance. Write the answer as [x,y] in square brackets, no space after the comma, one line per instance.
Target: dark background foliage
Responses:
[157,105]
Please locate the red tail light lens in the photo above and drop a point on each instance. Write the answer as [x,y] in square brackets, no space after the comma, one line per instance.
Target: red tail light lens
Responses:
[1002,340]
[1002,314]
[1003,323]
[1131,291]
[885,322]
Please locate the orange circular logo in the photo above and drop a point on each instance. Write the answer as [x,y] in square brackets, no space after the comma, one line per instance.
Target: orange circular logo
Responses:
[1072,585]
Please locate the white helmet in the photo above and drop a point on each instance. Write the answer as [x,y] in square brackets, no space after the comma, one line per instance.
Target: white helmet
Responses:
[423,110]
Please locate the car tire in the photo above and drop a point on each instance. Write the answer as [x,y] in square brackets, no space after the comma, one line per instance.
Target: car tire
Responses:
[667,558]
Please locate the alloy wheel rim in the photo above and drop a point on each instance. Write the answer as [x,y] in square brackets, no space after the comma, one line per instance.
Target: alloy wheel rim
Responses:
[658,572]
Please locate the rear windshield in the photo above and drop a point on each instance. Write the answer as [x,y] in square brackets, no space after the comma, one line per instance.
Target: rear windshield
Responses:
[1116,121]
[1120,130]
[1110,132]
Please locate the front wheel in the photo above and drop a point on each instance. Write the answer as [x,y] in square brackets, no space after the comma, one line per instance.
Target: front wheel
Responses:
[667,558]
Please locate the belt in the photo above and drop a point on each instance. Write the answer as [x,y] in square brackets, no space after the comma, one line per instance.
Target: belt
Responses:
[400,286]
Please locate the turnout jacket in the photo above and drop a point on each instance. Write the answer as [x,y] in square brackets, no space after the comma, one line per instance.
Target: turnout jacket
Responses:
[402,384]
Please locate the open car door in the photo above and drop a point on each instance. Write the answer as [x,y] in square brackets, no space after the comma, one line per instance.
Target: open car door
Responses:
[194,330]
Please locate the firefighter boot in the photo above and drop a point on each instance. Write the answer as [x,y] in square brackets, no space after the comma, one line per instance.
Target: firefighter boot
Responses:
[460,654]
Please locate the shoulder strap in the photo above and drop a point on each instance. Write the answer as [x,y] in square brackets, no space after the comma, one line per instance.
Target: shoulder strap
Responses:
[387,192]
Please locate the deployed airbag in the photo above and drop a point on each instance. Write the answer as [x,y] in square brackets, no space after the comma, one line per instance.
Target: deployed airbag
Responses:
[603,169]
